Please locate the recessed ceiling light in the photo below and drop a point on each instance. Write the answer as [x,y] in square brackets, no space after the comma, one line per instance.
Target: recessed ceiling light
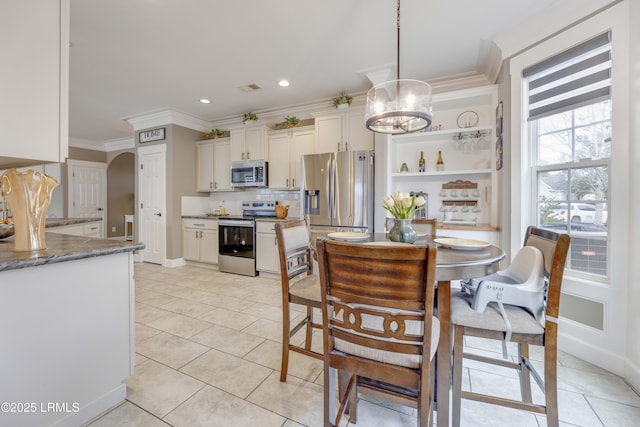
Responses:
[283,83]
[205,101]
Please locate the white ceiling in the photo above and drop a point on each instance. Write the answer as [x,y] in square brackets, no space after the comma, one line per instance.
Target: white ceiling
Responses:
[132,57]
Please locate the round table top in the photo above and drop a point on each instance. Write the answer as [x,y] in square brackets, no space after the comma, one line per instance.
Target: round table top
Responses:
[455,264]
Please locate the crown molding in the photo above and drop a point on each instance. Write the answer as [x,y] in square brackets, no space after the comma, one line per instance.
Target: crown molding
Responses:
[120,144]
[86,144]
[166,117]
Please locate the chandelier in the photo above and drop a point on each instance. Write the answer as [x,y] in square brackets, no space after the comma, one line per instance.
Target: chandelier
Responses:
[398,106]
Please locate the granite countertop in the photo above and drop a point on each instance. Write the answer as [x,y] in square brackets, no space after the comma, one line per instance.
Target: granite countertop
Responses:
[7,230]
[61,248]
[205,216]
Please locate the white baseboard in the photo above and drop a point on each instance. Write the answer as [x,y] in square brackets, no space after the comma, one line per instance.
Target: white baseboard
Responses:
[94,409]
[172,263]
[599,356]
[632,375]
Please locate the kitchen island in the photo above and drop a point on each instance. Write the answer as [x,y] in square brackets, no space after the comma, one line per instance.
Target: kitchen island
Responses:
[67,329]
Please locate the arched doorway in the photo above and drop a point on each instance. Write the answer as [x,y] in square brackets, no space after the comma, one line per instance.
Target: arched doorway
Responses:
[120,193]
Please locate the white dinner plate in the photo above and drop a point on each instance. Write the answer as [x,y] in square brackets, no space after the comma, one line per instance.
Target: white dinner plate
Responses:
[387,244]
[348,236]
[462,244]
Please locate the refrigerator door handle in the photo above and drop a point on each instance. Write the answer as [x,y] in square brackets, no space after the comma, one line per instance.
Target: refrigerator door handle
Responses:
[332,187]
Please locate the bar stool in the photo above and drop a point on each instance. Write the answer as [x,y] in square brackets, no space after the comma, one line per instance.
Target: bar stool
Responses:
[128,220]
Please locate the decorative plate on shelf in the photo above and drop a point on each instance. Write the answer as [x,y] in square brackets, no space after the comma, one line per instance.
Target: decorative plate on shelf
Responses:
[468,119]
[462,244]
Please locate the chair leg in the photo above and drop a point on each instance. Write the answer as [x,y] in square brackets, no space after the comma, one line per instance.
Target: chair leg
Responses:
[551,385]
[329,395]
[307,342]
[458,345]
[525,378]
[286,331]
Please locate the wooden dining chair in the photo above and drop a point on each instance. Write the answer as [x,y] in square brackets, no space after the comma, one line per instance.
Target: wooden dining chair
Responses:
[525,331]
[421,225]
[299,286]
[378,325]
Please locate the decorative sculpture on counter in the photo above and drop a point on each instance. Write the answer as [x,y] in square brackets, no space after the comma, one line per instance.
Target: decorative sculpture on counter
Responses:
[28,195]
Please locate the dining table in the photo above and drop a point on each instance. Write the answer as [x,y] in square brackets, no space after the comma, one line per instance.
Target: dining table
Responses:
[456,259]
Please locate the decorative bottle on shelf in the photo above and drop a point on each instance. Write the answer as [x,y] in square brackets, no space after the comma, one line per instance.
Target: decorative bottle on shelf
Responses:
[421,167]
[439,163]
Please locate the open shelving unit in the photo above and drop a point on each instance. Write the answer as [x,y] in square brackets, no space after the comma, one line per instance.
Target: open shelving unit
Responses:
[468,153]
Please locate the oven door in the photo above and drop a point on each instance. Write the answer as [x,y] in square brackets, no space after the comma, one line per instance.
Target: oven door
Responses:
[237,250]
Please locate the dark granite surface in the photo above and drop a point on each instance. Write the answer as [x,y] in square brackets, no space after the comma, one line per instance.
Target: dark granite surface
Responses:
[204,216]
[61,248]
[7,230]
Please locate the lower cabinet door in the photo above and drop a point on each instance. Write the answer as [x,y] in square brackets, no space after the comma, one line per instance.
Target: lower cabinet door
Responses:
[267,253]
[190,244]
[209,246]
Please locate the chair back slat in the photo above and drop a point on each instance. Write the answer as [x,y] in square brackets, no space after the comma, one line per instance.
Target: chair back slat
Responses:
[293,239]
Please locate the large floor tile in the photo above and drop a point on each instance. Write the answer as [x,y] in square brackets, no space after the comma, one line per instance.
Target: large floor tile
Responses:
[211,407]
[226,372]
[188,308]
[177,324]
[269,354]
[171,350]
[230,319]
[476,414]
[144,332]
[615,414]
[228,340]
[370,414]
[128,415]
[296,399]
[159,389]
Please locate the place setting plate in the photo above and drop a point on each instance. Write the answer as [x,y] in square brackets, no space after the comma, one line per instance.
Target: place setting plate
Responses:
[462,244]
[348,236]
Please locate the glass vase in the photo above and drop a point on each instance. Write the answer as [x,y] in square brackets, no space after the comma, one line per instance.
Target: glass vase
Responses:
[402,231]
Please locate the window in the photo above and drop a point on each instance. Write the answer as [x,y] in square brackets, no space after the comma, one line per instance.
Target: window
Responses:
[569,118]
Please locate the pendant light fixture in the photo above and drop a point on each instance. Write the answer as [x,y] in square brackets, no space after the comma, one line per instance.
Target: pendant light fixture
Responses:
[398,106]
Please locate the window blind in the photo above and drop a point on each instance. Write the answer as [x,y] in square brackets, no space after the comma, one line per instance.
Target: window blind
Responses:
[576,77]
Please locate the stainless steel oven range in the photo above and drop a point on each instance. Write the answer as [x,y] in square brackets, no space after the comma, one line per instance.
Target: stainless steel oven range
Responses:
[237,235]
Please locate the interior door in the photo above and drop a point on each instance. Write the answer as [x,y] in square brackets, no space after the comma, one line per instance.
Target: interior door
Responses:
[88,190]
[152,210]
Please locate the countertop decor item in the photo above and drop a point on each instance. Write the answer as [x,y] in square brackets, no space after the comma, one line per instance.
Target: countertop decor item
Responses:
[29,195]
[282,211]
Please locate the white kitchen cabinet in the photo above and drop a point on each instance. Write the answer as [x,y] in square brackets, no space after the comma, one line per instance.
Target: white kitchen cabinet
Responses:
[285,149]
[200,240]
[38,55]
[204,168]
[213,167]
[222,166]
[87,229]
[248,143]
[342,132]
[267,258]
[468,154]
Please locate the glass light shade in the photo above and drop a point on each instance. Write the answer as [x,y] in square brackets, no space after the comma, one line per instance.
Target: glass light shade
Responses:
[399,106]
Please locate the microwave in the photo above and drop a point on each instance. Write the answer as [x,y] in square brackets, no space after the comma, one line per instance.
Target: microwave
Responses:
[249,174]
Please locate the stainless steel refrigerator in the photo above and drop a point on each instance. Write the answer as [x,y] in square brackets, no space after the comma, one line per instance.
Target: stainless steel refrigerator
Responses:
[338,190]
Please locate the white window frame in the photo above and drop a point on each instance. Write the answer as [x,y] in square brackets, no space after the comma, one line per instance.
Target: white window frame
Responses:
[606,346]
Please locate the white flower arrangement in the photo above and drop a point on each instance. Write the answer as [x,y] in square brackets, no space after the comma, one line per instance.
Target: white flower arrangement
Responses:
[402,205]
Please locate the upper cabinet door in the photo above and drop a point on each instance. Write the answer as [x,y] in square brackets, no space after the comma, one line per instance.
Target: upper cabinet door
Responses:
[357,136]
[205,166]
[329,134]
[248,143]
[34,41]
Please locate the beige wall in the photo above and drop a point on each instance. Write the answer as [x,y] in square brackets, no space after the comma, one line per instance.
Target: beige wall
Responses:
[76,153]
[120,192]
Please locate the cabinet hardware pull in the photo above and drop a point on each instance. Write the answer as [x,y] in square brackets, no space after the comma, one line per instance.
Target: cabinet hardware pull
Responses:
[247,155]
[198,225]
[346,146]
[338,146]
[210,184]
[243,155]
[293,182]
[287,184]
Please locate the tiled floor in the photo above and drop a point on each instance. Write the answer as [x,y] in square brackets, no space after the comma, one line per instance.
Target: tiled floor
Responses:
[208,354]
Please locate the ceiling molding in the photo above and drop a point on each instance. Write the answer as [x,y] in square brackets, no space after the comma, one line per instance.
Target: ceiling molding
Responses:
[166,117]
[461,81]
[120,144]
[86,144]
